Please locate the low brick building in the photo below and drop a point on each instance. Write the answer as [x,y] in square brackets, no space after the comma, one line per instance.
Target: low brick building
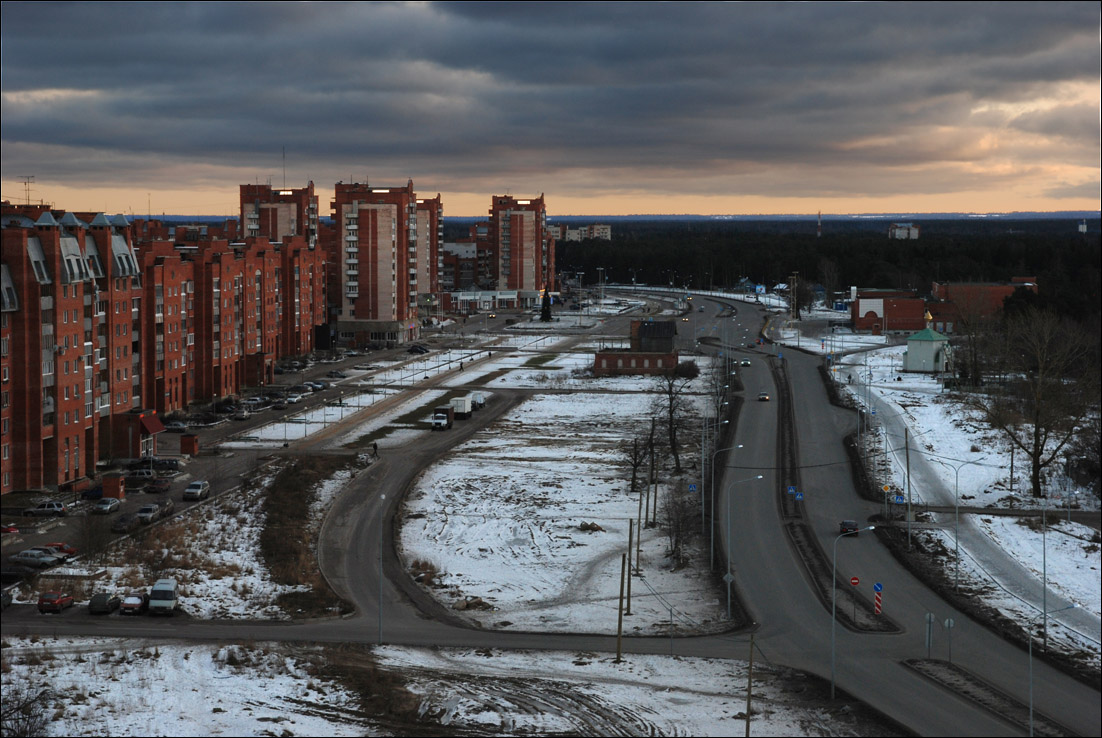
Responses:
[888,311]
[651,351]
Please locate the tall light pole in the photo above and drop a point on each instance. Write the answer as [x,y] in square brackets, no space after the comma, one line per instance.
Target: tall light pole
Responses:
[956,511]
[1029,637]
[834,598]
[730,576]
[712,491]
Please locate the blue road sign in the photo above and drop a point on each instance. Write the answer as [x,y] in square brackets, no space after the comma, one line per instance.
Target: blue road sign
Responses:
[878,587]
[692,488]
[899,499]
[791,489]
[799,496]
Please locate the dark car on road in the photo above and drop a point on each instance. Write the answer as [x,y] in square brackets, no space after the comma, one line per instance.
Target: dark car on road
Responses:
[104,603]
[848,526]
[158,486]
[125,523]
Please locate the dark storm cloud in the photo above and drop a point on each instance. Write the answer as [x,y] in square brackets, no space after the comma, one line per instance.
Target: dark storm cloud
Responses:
[460,91]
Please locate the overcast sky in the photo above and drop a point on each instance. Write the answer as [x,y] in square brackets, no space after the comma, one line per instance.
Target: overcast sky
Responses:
[610,108]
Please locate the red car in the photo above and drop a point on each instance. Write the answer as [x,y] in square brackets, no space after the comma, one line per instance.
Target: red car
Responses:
[64,548]
[54,601]
[134,603]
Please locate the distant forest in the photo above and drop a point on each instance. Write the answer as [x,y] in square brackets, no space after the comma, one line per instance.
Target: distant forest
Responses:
[698,255]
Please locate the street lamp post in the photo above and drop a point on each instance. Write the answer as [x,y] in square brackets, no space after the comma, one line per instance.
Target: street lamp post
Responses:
[834,599]
[956,512]
[712,491]
[1029,637]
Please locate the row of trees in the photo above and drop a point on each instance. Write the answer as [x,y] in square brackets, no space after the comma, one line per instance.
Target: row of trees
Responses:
[670,415]
[698,255]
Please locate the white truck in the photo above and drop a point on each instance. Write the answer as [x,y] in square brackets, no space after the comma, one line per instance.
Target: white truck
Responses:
[442,417]
[478,400]
[462,407]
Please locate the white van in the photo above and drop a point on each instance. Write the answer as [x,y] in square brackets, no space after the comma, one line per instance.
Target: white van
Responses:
[163,599]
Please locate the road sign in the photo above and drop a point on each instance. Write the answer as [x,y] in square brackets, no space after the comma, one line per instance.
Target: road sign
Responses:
[887,488]
[854,581]
[878,587]
[791,489]
[692,488]
[799,496]
[899,499]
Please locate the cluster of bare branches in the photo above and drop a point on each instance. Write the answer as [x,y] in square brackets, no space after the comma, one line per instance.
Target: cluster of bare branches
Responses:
[1042,387]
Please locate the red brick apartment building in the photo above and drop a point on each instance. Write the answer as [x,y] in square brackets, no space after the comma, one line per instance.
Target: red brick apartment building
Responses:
[99,336]
[379,249]
[523,249]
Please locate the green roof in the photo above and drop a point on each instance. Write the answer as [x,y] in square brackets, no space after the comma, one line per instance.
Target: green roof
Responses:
[927,334]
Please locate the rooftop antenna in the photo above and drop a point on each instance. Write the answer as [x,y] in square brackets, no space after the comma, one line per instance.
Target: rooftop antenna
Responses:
[27,180]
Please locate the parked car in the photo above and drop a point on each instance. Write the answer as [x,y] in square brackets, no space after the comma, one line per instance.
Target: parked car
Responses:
[36,559]
[167,507]
[336,374]
[54,601]
[9,528]
[62,557]
[418,349]
[92,493]
[136,481]
[279,405]
[848,526]
[158,486]
[106,506]
[134,603]
[197,490]
[125,523]
[294,399]
[176,426]
[62,548]
[166,465]
[763,397]
[45,509]
[148,513]
[104,603]
[242,414]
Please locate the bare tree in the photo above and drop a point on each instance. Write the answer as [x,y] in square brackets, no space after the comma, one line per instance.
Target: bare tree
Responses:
[973,325]
[803,297]
[672,404]
[1052,384]
[24,710]
[636,454]
[680,512]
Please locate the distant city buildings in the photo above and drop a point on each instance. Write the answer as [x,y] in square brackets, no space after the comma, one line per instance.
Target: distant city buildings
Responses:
[903,231]
[562,232]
